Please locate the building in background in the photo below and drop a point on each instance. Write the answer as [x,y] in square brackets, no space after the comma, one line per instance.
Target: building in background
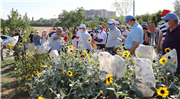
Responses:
[102,13]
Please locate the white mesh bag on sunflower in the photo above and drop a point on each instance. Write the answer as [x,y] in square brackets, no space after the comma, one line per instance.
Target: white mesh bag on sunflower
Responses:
[144,73]
[144,51]
[43,48]
[54,55]
[114,65]
[173,55]
[12,41]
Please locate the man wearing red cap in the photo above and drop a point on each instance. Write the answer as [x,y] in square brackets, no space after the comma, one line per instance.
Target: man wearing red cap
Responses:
[51,32]
[163,30]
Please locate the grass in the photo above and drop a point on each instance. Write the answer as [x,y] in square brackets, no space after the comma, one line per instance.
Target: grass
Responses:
[10,88]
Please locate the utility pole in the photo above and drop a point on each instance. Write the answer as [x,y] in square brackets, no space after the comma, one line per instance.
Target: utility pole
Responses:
[134,8]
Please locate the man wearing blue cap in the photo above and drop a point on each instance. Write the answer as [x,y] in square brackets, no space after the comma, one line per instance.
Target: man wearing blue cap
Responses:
[113,37]
[147,34]
[101,37]
[172,38]
[135,36]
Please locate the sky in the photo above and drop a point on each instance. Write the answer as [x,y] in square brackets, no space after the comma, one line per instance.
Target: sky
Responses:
[47,9]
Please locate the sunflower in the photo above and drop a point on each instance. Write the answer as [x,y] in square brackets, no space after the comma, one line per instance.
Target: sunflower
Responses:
[167,50]
[19,45]
[74,52]
[89,40]
[31,54]
[40,97]
[169,57]
[175,61]
[29,45]
[37,74]
[103,50]
[126,54]
[34,72]
[25,88]
[101,93]
[84,52]
[35,47]
[15,68]
[70,47]
[59,37]
[29,75]
[36,50]
[29,78]
[84,55]
[163,60]
[109,79]
[162,91]
[11,47]
[30,67]
[117,51]
[69,73]
[25,40]
[27,50]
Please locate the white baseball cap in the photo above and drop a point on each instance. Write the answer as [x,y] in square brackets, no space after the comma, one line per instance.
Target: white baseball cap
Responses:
[117,22]
[110,21]
[44,30]
[37,31]
[82,26]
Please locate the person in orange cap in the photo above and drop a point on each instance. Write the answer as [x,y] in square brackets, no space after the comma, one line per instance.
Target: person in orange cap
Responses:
[163,30]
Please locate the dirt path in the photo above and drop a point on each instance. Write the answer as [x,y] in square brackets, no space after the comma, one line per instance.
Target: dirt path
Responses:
[10,88]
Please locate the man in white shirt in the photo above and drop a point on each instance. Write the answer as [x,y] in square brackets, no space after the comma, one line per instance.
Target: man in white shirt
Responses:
[55,43]
[112,40]
[85,39]
[100,37]
[1,41]
[125,31]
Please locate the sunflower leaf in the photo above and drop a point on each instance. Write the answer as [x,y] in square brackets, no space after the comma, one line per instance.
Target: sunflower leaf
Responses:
[153,89]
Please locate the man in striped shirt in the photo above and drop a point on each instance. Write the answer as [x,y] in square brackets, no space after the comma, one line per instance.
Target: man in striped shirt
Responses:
[163,30]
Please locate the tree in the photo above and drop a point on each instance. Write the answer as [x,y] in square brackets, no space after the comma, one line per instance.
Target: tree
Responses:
[176,5]
[3,26]
[15,21]
[71,19]
[123,8]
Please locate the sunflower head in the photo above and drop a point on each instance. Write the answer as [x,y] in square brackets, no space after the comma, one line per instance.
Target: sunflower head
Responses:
[74,52]
[169,57]
[162,91]
[101,93]
[70,47]
[167,50]
[89,40]
[29,45]
[25,40]
[109,79]
[30,67]
[29,78]
[175,61]
[25,88]
[59,37]
[163,60]
[40,97]
[35,47]
[126,54]
[69,73]
[118,51]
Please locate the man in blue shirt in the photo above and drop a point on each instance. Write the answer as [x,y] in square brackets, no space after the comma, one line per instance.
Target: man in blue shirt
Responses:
[135,37]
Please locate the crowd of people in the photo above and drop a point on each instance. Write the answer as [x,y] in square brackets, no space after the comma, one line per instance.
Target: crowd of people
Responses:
[165,35]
